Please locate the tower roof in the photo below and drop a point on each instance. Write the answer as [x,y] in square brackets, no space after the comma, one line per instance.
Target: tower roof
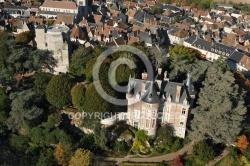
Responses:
[150,95]
[190,84]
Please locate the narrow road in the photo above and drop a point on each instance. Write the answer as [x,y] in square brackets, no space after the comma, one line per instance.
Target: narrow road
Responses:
[187,149]
[217,159]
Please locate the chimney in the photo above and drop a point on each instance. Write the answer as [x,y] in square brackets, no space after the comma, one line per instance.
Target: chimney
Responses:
[165,76]
[144,76]
[159,71]
[178,93]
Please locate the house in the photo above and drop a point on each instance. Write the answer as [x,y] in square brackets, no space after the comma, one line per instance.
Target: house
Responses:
[225,6]
[177,36]
[20,26]
[52,8]
[239,61]
[147,99]
[77,35]
[64,19]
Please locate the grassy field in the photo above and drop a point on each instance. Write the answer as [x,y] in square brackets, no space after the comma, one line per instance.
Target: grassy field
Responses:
[234,1]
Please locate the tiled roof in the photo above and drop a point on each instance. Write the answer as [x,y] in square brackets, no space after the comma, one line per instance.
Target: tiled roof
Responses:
[67,19]
[60,4]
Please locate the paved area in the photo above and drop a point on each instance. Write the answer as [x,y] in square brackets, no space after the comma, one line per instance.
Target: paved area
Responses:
[187,149]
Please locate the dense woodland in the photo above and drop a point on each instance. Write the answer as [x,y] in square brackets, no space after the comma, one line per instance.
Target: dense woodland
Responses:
[33,130]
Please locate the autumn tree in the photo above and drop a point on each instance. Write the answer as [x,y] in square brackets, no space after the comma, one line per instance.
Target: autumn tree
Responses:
[58,91]
[200,6]
[242,142]
[241,80]
[211,119]
[81,157]
[177,161]
[78,96]
[62,154]
[24,37]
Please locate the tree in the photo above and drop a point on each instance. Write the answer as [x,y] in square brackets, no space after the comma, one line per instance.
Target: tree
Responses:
[62,154]
[48,133]
[156,9]
[81,157]
[41,81]
[58,91]
[192,5]
[242,81]
[121,147]
[200,6]
[3,48]
[211,120]
[4,105]
[181,59]
[25,108]
[100,137]
[78,96]
[96,103]
[46,158]
[242,143]
[79,60]
[141,135]
[202,153]
[177,161]
[24,37]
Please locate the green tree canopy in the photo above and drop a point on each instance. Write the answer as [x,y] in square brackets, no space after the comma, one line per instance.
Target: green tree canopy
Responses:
[79,60]
[96,103]
[25,108]
[41,81]
[220,109]
[4,105]
[202,153]
[58,91]
[78,96]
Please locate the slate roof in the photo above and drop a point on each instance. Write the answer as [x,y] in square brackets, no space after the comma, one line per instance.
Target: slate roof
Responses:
[150,95]
[139,15]
[171,91]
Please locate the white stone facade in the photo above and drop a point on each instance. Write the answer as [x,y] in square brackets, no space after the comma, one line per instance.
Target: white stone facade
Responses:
[55,40]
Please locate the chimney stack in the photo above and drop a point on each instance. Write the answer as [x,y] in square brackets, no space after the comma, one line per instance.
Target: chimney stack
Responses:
[144,76]
[159,71]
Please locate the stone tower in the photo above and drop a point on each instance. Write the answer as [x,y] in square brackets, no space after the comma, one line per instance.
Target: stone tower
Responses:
[56,39]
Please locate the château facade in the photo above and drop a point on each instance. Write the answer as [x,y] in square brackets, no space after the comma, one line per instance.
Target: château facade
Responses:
[159,101]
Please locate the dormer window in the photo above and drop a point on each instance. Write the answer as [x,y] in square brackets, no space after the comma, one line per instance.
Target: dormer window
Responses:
[199,46]
[227,54]
[216,50]
[183,112]
[223,53]
[212,49]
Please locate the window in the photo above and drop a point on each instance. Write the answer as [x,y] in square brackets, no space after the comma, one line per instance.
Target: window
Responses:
[149,105]
[183,112]
[149,114]
[46,44]
[136,125]
[181,123]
